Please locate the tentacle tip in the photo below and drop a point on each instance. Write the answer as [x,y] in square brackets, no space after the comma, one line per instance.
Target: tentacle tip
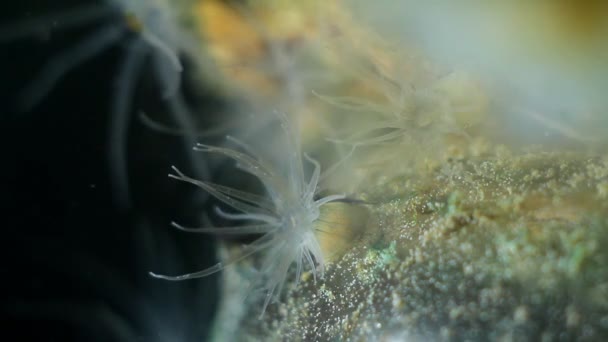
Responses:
[174,168]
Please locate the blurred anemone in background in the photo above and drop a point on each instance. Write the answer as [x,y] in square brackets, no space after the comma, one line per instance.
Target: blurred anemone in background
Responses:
[149,39]
[546,60]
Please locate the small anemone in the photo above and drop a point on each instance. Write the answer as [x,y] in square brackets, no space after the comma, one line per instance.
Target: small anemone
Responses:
[286,217]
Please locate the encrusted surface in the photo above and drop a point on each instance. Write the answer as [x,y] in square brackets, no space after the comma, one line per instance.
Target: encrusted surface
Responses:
[492,247]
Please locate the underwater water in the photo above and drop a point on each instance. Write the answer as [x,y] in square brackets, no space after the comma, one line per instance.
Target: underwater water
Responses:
[305,171]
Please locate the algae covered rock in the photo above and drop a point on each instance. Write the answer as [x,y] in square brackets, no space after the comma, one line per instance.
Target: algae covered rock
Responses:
[497,246]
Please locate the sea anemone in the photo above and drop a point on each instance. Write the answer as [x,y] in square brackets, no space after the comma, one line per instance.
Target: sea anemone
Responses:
[286,217]
[153,29]
[447,104]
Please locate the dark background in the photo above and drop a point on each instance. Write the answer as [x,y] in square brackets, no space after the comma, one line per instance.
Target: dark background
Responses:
[74,264]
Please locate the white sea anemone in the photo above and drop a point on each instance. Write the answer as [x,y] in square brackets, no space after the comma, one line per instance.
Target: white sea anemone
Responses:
[447,104]
[286,218]
[150,28]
